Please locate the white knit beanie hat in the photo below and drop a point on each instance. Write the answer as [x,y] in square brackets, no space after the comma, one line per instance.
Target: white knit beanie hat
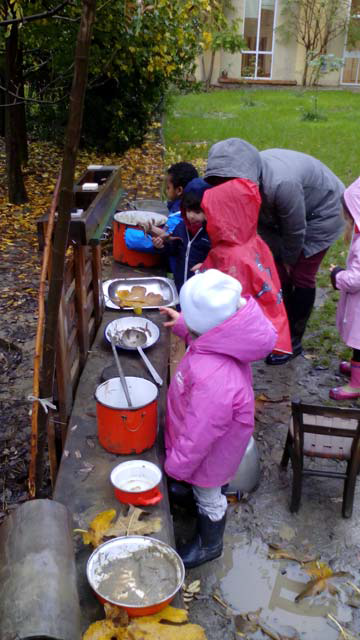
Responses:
[208,299]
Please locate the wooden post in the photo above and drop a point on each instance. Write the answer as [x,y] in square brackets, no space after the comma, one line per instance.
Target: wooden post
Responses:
[81,301]
[97,283]
[71,146]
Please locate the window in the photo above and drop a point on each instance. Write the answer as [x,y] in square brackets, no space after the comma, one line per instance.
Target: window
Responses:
[350,73]
[256,60]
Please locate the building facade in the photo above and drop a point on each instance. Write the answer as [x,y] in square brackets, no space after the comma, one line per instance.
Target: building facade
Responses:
[268,58]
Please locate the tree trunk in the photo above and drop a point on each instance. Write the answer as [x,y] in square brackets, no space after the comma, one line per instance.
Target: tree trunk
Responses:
[21,112]
[2,96]
[305,72]
[211,69]
[16,186]
[72,138]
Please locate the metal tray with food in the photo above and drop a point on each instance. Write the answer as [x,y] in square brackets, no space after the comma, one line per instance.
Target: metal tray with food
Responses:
[146,293]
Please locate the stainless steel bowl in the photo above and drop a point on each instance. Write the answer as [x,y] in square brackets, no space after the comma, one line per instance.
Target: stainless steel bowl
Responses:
[150,329]
[123,547]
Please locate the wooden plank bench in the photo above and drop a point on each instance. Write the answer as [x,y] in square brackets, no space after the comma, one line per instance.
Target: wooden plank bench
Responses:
[88,494]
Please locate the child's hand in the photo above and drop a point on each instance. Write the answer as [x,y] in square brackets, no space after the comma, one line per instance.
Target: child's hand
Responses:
[197,267]
[172,314]
[157,232]
[158,243]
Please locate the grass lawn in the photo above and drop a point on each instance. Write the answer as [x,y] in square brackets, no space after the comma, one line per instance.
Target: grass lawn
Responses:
[274,118]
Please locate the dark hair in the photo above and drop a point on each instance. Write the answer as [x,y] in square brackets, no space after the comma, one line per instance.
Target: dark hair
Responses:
[181,173]
[191,201]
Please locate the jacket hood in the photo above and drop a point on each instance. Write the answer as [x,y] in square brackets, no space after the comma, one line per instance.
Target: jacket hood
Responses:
[197,186]
[352,200]
[246,336]
[232,211]
[234,158]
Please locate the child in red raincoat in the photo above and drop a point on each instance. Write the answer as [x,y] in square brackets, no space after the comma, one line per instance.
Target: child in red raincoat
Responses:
[232,210]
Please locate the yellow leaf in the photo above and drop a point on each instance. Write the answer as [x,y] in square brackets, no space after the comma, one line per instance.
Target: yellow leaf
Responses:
[98,527]
[105,630]
[156,631]
[169,614]
[318,569]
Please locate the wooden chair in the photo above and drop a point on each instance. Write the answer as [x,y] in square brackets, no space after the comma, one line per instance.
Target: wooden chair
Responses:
[323,432]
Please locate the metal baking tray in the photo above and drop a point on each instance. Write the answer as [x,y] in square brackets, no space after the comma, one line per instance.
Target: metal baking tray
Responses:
[163,286]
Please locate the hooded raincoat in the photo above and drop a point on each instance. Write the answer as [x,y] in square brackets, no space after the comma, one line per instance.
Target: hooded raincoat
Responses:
[301,208]
[348,280]
[210,403]
[232,211]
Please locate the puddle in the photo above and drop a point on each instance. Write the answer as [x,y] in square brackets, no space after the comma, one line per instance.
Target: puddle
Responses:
[249,581]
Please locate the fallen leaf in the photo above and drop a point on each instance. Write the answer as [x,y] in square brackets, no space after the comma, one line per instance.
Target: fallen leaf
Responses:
[277,553]
[156,631]
[318,585]
[98,527]
[105,630]
[169,614]
[136,522]
[318,569]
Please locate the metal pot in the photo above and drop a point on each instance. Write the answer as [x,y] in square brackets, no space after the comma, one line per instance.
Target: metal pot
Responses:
[247,476]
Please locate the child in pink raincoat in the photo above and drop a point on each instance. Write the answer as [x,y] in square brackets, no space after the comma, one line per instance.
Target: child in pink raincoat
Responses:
[348,282]
[210,403]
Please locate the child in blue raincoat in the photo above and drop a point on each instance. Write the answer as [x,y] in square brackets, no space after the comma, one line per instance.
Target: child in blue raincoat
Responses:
[177,177]
[189,244]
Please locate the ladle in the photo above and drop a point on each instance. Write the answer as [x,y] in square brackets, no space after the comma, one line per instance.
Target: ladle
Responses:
[120,371]
[134,339]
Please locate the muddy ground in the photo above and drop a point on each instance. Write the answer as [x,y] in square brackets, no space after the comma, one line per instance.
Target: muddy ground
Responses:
[244,579]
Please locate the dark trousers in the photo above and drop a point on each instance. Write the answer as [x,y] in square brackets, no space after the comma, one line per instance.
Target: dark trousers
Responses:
[299,289]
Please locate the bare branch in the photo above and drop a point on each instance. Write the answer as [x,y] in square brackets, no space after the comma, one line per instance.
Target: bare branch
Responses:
[36,16]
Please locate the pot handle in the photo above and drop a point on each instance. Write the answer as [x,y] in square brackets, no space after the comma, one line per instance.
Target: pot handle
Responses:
[138,426]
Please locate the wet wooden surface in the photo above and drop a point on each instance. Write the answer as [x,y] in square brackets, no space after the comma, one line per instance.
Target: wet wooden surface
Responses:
[86,493]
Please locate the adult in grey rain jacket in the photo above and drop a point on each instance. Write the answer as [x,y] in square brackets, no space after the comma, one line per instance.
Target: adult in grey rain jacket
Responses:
[300,217]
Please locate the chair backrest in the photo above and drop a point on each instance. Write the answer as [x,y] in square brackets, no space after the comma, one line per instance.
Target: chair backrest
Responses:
[325,431]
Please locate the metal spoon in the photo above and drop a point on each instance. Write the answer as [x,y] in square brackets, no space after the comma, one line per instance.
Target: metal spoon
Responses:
[134,338]
[120,371]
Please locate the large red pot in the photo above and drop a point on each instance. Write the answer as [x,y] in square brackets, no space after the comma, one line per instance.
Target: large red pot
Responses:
[123,429]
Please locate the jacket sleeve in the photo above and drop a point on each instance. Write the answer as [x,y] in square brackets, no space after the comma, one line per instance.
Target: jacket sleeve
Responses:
[138,240]
[290,209]
[180,329]
[205,422]
[349,279]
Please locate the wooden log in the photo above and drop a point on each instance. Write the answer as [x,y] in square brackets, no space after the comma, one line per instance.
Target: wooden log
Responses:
[38,593]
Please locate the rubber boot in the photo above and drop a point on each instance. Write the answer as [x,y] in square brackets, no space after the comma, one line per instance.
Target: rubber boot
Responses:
[207,543]
[181,495]
[345,368]
[299,307]
[350,391]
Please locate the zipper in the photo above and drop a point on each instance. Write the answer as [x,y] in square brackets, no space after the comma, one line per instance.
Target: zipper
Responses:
[188,249]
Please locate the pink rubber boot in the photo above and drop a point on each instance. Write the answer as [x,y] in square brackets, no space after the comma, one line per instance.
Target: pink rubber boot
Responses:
[345,368]
[350,391]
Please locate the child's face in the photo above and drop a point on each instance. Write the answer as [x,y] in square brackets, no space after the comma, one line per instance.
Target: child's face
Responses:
[195,216]
[172,193]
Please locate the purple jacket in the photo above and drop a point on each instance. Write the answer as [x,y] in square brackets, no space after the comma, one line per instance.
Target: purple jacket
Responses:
[210,403]
[348,281]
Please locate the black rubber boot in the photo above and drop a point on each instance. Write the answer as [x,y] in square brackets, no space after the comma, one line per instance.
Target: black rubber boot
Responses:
[207,543]
[299,307]
[181,495]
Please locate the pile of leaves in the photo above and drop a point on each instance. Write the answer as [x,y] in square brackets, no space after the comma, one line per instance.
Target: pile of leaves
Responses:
[168,624]
[141,171]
